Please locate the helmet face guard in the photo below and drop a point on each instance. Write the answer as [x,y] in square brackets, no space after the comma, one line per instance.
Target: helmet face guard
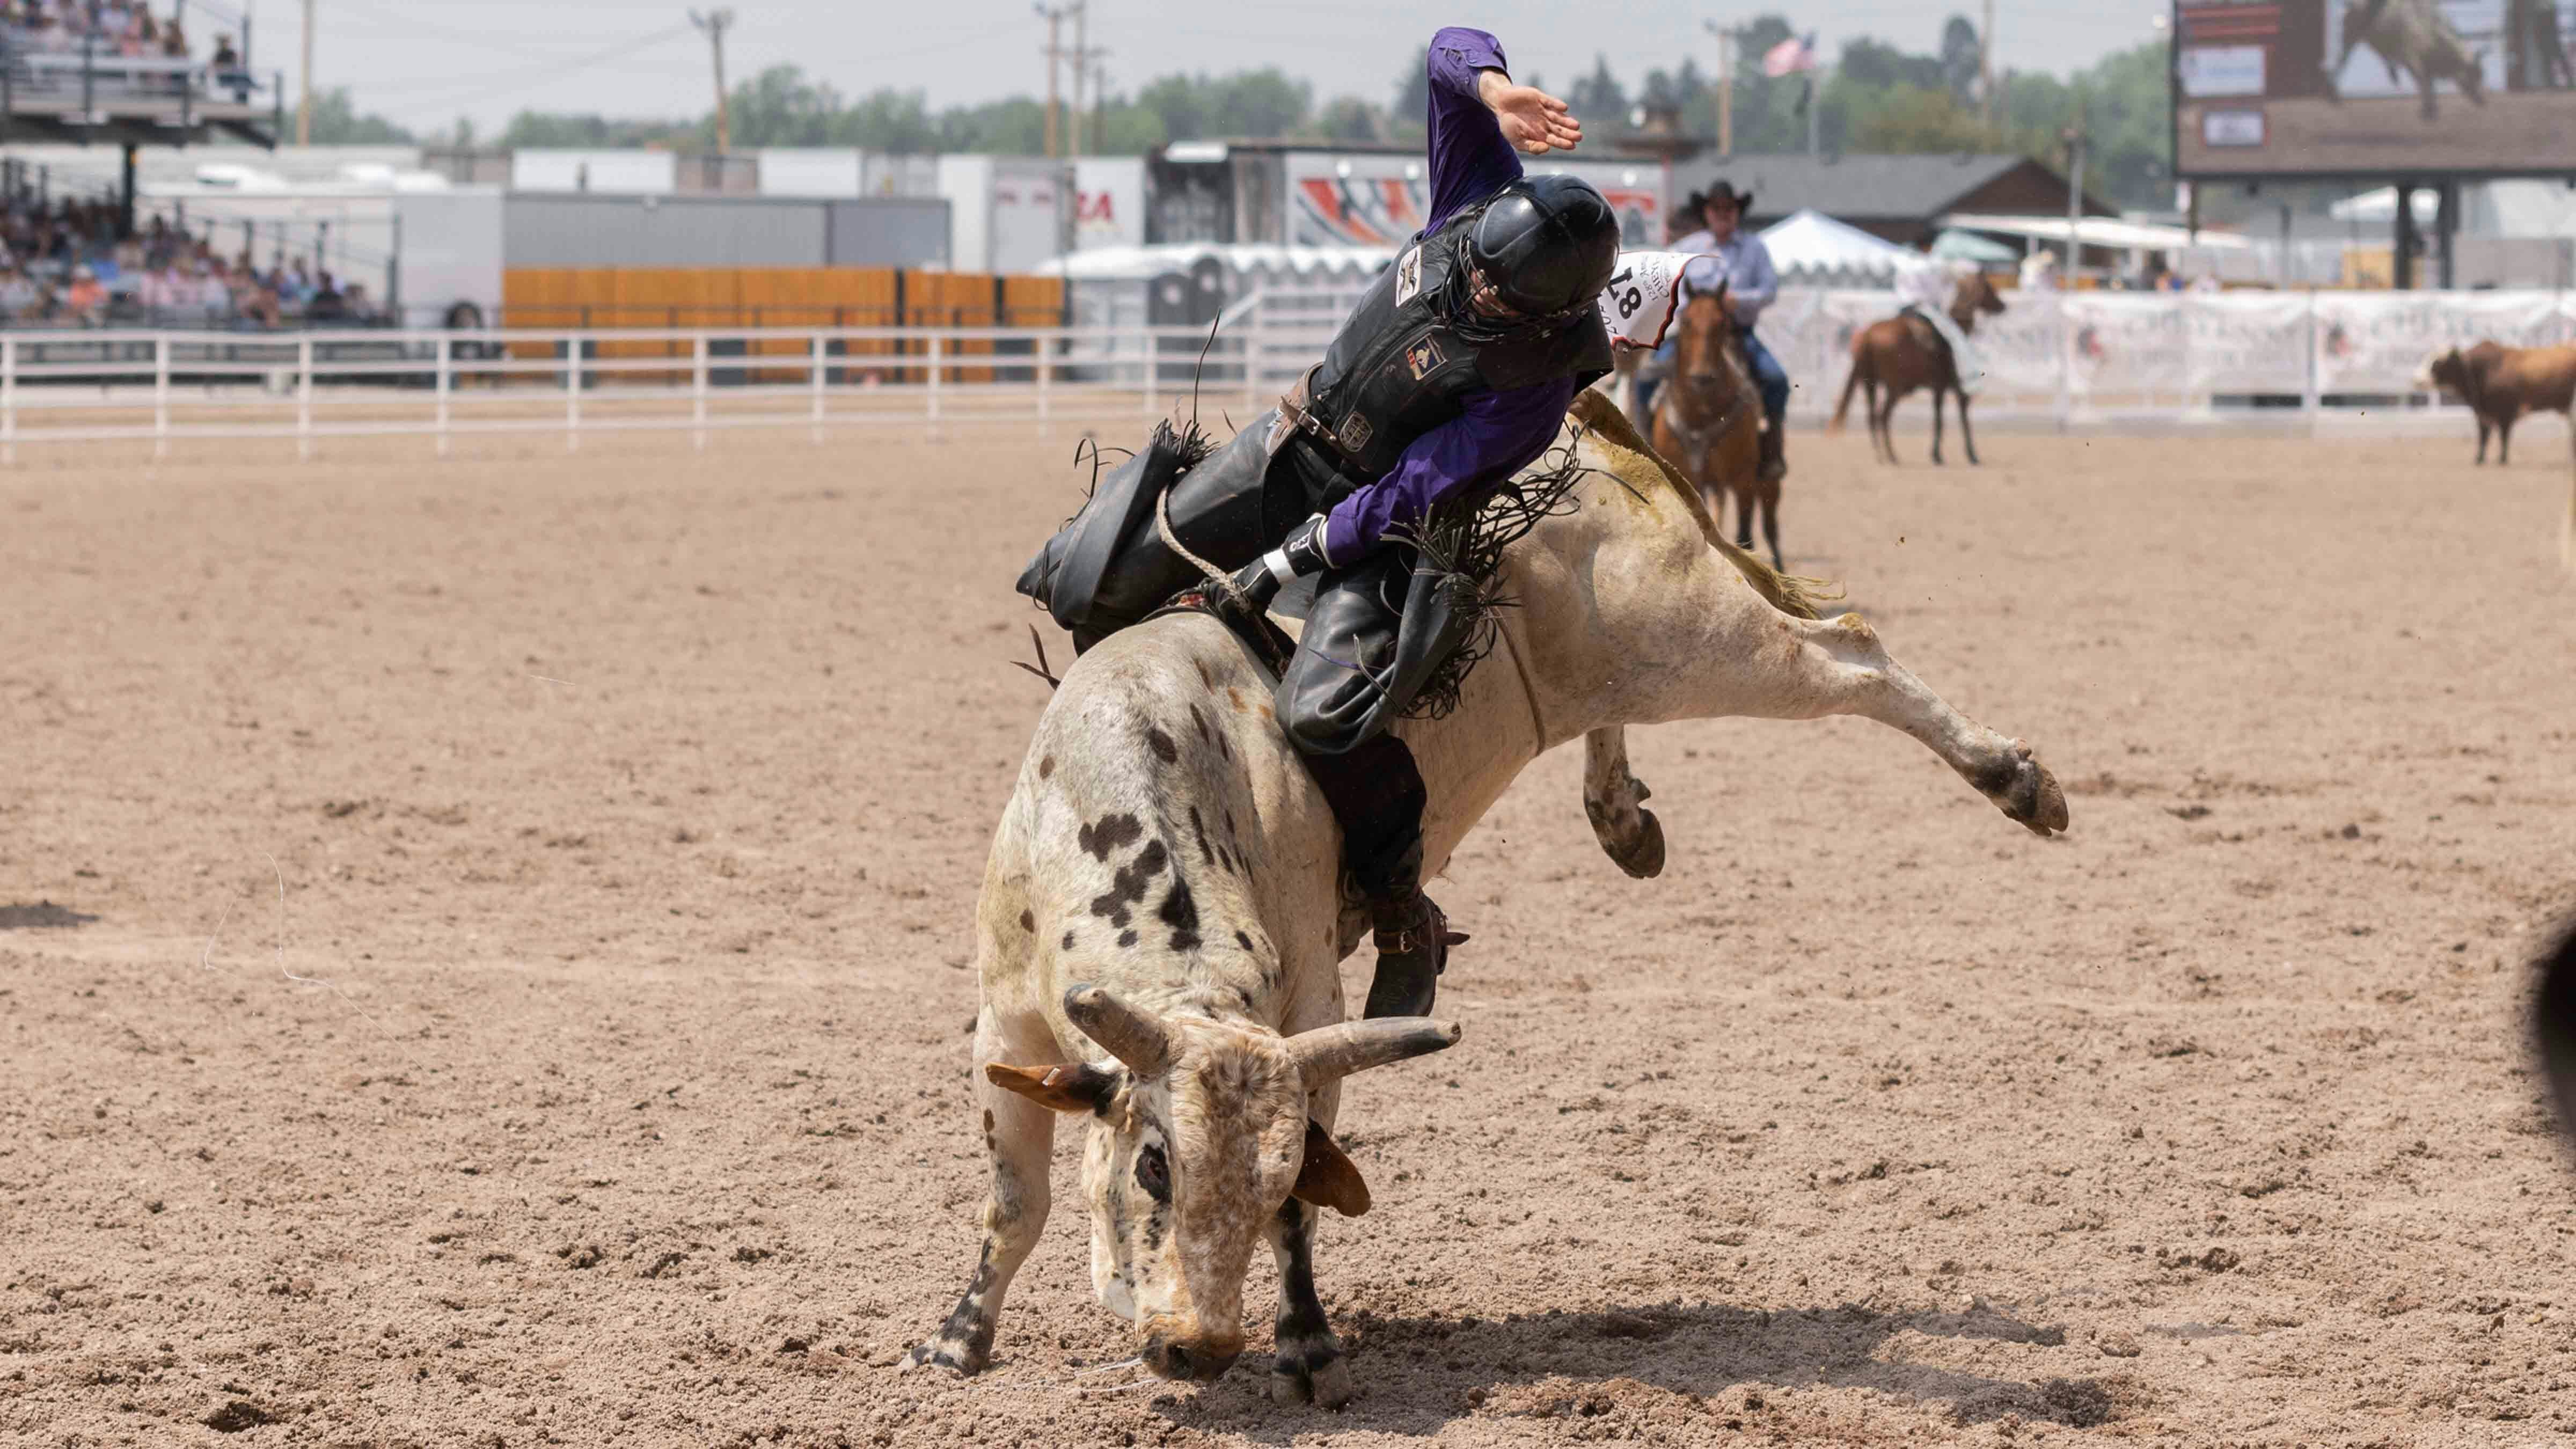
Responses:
[1480,312]
[1534,260]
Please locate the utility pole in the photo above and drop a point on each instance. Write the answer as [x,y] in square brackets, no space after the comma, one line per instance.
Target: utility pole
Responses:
[714,24]
[1986,66]
[1725,87]
[1054,53]
[2074,138]
[1099,97]
[1081,65]
[304,109]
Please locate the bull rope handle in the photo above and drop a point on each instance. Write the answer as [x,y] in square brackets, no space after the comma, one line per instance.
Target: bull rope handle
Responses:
[1223,581]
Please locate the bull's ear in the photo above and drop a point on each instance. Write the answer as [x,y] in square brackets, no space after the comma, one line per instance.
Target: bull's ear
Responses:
[1329,1179]
[1077,1088]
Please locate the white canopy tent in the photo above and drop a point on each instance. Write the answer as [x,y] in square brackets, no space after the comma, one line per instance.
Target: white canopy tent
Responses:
[1967,246]
[1811,249]
[2381,206]
[2098,231]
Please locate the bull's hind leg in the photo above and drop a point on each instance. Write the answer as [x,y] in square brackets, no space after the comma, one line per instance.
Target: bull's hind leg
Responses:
[1018,1137]
[1839,667]
[1306,1362]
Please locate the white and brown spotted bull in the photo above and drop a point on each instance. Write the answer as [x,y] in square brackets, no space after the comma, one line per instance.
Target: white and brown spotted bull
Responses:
[1162,925]
[2416,41]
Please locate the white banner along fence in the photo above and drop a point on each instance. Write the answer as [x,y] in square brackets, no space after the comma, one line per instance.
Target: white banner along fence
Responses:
[2073,356]
[2080,354]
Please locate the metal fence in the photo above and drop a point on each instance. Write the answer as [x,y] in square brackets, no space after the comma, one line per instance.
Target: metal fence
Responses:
[2074,356]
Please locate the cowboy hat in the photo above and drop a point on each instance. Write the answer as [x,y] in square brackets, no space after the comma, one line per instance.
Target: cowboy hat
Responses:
[1725,191]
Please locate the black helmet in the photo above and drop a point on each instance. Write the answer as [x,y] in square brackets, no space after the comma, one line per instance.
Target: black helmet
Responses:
[1546,246]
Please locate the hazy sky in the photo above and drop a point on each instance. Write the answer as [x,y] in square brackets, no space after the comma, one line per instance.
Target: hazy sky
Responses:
[425,64]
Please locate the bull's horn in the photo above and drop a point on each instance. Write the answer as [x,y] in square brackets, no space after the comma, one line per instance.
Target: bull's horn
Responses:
[1329,1053]
[1132,1036]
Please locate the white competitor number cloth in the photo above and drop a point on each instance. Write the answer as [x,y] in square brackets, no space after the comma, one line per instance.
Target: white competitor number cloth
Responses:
[1643,295]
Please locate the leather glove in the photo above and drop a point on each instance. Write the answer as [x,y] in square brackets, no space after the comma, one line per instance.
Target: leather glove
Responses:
[1299,554]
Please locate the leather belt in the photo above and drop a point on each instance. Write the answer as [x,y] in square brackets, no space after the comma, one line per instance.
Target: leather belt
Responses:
[1293,417]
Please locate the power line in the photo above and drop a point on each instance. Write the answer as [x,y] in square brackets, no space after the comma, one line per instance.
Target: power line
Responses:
[517,79]
[388,16]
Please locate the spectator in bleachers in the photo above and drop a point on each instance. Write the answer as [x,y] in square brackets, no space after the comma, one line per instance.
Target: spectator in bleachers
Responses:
[159,293]
[328,307]
[19,295]
[228,64]
[86,303]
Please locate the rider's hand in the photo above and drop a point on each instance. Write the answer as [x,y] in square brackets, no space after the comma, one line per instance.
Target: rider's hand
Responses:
[1531,119]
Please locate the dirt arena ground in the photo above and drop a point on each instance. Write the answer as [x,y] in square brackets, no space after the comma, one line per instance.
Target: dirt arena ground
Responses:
[485,966]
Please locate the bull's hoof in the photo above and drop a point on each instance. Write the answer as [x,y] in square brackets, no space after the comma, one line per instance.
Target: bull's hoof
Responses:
[2031,794]
[961,1359]
[1642,856]
[1302,1374]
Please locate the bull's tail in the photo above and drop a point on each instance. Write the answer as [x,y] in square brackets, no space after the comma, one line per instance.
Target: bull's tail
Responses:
[1860,368]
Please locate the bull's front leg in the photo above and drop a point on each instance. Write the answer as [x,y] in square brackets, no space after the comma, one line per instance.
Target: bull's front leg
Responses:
[2484,429]
[1306,1361]
[1019,1136]
[1838,666]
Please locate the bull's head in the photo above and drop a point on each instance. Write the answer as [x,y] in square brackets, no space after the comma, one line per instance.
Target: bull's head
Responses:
[2441,369]
[1199,1132]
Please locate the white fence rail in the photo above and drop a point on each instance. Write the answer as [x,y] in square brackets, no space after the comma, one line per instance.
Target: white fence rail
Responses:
[2070,355]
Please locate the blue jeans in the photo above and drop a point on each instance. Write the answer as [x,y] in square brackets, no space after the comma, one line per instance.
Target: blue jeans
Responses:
[1769,377]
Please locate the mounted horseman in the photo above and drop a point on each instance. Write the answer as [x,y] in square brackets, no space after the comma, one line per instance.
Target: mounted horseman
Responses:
[1453,373]
[1738,263]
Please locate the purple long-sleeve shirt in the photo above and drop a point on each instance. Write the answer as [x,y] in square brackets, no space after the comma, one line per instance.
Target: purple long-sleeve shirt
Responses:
[1499,433]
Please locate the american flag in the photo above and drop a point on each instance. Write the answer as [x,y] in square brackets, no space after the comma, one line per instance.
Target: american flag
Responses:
[1791,56]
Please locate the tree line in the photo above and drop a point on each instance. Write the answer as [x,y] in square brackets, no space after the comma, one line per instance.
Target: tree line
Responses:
[1877,97]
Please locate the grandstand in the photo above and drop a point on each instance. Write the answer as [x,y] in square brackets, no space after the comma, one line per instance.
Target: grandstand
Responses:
[117,74]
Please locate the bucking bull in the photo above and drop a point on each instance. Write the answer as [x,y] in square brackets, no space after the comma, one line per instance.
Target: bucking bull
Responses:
[1162,920]
[2413,40]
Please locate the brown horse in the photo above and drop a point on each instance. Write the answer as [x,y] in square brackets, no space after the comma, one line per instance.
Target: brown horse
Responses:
[1904,353]
[1708,418]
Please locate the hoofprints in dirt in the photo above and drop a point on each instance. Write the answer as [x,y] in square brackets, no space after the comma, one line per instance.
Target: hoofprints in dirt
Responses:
[1161,918]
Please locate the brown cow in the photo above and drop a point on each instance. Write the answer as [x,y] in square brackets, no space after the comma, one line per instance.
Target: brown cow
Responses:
[2501,384]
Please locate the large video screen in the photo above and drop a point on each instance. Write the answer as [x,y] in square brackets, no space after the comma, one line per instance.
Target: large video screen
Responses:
[2377,88]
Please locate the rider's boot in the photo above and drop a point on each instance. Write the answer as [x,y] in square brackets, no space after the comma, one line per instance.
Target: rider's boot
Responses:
[1376,793]
[1775,462]
[1413,940]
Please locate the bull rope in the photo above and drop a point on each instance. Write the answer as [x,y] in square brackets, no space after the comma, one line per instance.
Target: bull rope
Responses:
[1529,691]
[1223,581]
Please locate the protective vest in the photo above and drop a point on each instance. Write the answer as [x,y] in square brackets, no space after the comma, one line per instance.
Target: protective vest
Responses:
[1398,369]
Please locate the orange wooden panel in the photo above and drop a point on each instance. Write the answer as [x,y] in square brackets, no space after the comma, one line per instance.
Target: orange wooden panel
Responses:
[782,297]
[1032,301]
[537,297]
